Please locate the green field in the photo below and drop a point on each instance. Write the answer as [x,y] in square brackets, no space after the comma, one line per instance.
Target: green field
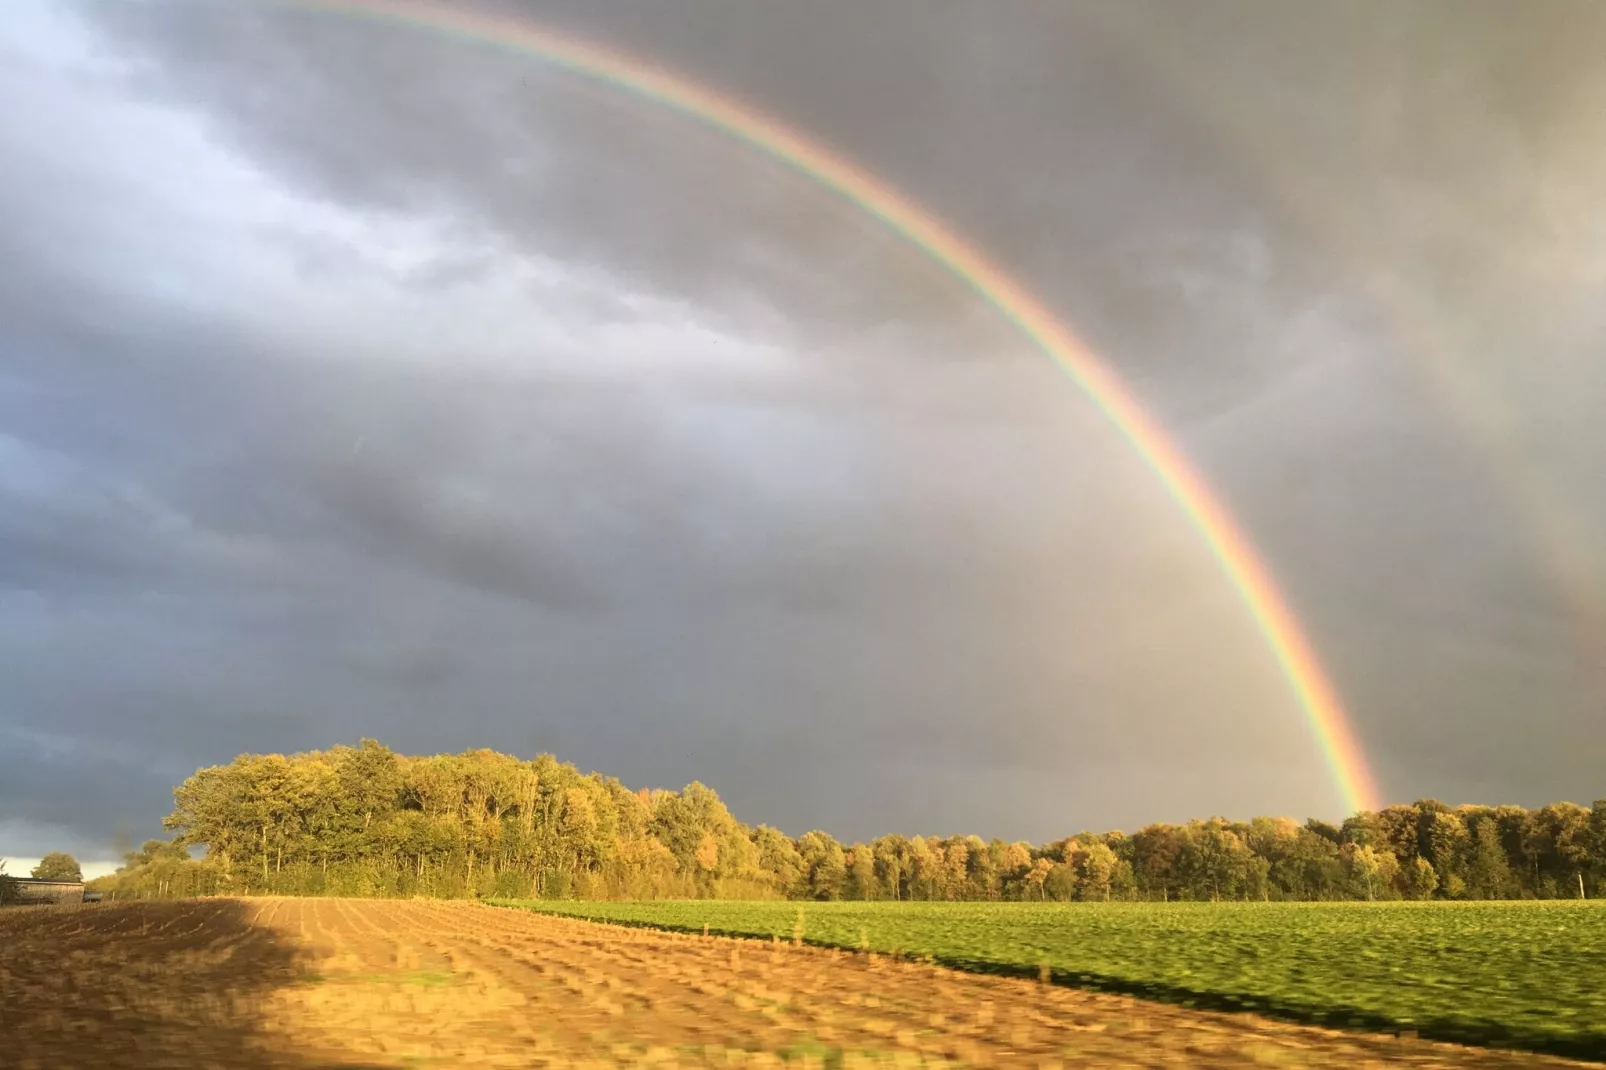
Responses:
[1529,975]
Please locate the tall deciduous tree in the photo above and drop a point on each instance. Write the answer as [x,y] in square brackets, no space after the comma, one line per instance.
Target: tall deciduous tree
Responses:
[1095,870]
[1597,843]
[1423,878]
[861,878]
[1489,873]
[1369,868]
[58,866]
[825,865]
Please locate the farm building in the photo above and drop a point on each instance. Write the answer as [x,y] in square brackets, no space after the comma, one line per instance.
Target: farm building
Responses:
[37,890]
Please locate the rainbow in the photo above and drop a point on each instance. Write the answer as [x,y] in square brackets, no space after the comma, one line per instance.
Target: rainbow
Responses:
[1325,214]
[986,280]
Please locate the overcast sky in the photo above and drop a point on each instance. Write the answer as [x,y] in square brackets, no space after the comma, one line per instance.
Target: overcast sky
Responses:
[360,381]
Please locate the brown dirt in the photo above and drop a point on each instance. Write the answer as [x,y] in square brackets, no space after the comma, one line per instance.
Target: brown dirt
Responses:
[300,983]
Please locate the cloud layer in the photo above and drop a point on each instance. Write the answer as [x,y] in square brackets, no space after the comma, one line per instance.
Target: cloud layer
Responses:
[360,381]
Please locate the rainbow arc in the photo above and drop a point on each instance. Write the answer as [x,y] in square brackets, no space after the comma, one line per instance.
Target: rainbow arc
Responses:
[988,281]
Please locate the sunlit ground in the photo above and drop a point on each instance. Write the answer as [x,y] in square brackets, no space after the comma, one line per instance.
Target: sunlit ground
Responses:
[288,983]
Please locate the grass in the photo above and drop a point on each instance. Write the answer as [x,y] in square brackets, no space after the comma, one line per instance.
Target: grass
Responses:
[1523,975]
[424,978]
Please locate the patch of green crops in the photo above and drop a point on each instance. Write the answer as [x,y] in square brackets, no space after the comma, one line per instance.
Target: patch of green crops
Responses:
[1526,975]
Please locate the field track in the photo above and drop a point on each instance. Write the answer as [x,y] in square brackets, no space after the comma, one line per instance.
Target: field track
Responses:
[302,983]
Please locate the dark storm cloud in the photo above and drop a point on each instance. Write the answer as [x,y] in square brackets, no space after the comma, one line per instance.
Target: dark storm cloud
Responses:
[399,118]
[35,769]
[357,381]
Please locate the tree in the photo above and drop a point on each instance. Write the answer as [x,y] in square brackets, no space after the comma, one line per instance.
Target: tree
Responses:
[1095,869]
[981,870]
[159,869]
[1372,869]
[1489,875]
[928,871]
[1309,867]
[825,865]
[707,854]
[58,866]
[1329,832]
[1014,863]
[1555,845]
[1213,860]
[780,860]
[1363,830]
[8,886]
[861,870]
[1596,840]
[1423,878]
[1032,883]
[1257,878]
[1445,842]
[892,863]
[1400,830]
[1155,850]
[365,820]
[1061,883]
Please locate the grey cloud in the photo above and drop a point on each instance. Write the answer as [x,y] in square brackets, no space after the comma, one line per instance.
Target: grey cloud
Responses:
[381,384]
[509,147]
[100,787]
[63,527]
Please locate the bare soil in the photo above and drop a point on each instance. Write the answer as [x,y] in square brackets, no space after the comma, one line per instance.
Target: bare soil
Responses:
[301,983]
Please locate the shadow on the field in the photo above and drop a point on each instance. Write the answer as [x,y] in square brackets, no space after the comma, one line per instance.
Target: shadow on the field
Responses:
[145,985]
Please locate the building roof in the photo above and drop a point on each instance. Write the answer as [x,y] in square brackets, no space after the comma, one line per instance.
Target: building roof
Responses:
[45,880]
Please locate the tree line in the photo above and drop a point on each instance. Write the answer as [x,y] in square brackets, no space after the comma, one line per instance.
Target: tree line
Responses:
[367,821]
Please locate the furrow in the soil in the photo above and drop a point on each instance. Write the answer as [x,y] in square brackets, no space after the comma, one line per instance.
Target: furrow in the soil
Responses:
[267,984]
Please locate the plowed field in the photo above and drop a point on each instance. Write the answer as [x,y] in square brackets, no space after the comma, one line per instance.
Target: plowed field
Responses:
[299,983]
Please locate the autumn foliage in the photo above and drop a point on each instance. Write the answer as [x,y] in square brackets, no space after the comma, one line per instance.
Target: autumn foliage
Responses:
[367,821]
